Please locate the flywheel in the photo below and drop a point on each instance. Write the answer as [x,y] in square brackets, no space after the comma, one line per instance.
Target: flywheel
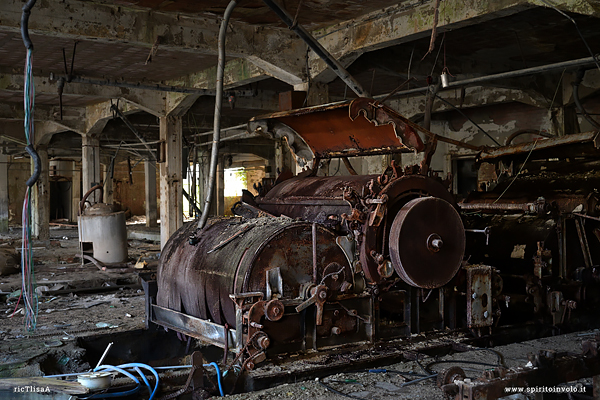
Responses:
[427,242]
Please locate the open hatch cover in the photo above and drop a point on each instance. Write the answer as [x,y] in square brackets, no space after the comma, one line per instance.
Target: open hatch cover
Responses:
[359,127]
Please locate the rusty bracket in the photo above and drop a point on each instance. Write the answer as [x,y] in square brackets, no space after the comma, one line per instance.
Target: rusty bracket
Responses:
[377,215]
[318,296]
[197,371]
[258,341]
[195,380]
[486,231]
[244,301]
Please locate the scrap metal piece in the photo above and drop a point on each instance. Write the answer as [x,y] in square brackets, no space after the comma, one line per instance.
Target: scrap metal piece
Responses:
[548,368]
[449,375]
[195,327]
[420,259]
[479,296]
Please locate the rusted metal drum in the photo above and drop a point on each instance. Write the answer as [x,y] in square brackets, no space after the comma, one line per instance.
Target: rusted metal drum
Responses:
[233,256]
[427,242]
[313,198]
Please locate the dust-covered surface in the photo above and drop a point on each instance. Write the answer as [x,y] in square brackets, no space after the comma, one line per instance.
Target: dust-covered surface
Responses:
[379,385]
[77,301]
[73,301]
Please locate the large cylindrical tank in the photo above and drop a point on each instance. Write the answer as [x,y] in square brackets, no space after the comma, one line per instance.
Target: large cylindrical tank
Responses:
[423,240]
[233,255]
[105,232]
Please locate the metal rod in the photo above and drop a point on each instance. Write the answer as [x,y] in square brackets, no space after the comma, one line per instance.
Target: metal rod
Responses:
[192,202]
[314,252]
[132,128]
[104,354]
[214,154]
[231,128]
[319,50]
[244,135]
[503,75]
[586,216]
[585,247]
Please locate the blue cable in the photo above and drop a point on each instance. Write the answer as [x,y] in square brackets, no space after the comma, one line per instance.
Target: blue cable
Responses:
[116,394]
[136,366]
[143,376]
[214,364]
[149,368]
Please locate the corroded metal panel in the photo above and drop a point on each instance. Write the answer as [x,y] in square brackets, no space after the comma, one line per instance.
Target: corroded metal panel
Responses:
[357,128]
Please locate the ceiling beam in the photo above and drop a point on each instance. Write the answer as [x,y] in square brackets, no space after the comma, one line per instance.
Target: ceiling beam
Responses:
[275,50]
[238,72]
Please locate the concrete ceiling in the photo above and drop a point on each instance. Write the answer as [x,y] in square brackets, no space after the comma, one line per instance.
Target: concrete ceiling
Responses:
[173,43]
[312,13]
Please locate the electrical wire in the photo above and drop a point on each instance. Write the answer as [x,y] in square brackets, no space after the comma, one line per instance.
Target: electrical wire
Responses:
[214,364]
[28,293]
[122,369]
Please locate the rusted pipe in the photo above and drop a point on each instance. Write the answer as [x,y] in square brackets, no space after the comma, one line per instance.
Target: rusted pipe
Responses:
[85,196]
[502,75]
[348,166]
[319,50]
[214,154]
[526,207]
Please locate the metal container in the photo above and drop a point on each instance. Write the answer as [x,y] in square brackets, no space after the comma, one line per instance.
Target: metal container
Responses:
[269,255]
[103,233]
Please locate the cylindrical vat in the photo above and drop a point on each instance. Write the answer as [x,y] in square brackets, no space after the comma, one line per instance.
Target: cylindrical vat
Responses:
[105,231]
[233,256]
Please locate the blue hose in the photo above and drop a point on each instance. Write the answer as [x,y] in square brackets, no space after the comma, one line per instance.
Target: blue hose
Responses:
[116,394]
[143,376]
[121,369]
[149,368]
[214,364]
[136,366]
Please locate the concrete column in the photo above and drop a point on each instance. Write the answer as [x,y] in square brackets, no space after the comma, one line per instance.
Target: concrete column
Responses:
[90,166]
[150,189]
[171,211]
[108,184]
[75,191]
[3,193]
[41,193]
[318,93]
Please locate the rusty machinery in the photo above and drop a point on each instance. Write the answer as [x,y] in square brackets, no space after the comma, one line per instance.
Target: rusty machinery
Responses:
[534,226]
[315,262]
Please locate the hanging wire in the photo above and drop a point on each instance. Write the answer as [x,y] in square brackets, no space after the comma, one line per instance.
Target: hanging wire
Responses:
[28,293]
